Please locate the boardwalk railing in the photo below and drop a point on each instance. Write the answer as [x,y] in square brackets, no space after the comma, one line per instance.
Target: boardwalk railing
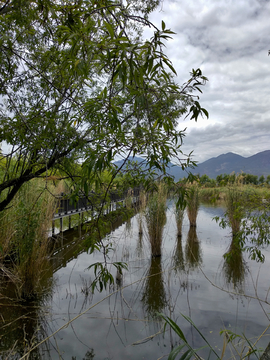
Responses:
[93,202]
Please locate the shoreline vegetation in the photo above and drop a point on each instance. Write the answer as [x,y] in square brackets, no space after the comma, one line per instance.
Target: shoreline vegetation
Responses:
[25,248]
[26,223]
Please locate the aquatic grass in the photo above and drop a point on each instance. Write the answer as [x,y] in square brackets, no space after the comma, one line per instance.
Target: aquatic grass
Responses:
[209,194]
[235,208]
[193,204]
[141,209]
[179,214]
[24,235]
[239,346]
[155,216]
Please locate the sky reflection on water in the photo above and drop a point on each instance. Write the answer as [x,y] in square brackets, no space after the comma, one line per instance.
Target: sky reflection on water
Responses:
[190,279]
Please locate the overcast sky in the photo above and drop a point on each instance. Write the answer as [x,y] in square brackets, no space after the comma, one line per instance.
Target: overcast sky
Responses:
[229,41]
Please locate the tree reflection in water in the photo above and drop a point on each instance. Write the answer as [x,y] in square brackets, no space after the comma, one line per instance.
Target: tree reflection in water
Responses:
[154,294]
[193,249]
[234,267]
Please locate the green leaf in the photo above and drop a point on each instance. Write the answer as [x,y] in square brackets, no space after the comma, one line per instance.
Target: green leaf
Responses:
[163,26]
[110,29]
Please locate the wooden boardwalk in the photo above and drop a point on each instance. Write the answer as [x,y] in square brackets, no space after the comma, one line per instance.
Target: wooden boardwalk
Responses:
[93,202]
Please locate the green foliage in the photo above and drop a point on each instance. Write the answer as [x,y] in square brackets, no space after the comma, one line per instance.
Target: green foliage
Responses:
[225,179]
[79,83]
[261,179]
[80,86]
[103,276]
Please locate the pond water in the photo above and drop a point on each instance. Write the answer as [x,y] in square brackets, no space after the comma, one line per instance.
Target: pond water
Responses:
[190,278]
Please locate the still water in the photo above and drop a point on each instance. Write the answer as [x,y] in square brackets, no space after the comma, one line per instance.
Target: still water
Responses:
[121,322]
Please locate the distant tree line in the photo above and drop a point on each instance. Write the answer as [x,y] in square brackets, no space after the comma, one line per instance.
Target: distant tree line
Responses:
[226,179]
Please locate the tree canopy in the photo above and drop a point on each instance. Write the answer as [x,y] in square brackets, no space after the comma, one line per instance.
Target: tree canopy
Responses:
[78,82]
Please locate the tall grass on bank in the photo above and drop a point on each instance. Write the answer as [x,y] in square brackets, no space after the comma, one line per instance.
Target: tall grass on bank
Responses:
[24,236]
[193,204]
[155,216]
[210,194]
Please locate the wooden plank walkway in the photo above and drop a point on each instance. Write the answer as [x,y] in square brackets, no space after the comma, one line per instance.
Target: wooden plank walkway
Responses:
[67,207]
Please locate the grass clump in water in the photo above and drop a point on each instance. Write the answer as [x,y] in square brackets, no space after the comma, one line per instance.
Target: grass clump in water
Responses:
[193,204]
[179,214]
[235,208]
[24,237]
[155,215]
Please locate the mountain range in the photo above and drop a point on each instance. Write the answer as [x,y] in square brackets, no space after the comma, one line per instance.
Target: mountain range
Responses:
[258,164]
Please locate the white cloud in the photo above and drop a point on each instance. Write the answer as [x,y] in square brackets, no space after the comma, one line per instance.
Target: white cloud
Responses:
[229,41]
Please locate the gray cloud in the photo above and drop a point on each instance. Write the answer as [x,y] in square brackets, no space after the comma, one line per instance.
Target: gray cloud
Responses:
[229,41]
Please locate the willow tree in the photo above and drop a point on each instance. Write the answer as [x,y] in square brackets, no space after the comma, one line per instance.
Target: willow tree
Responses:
[77,80]
[80,84]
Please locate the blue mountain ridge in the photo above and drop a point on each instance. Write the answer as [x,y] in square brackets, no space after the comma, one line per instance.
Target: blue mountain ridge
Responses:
[258,164]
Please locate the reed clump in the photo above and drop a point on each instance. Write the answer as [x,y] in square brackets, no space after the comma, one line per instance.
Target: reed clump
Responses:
[155,216]
[193,204]
[24,236]
[235,204]
[141,209]
[179,213]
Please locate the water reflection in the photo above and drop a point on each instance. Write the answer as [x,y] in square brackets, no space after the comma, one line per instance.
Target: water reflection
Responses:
[178,255]
[88,356]
[22,324]
[154,294]
[234,267]
[139,247]
[193,249]
[137,302]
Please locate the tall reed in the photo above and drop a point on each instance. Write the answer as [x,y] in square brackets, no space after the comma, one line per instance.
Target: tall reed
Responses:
[179,217]
[141,209]
[235,208]
[193,204]
[24,235]
[155,215]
